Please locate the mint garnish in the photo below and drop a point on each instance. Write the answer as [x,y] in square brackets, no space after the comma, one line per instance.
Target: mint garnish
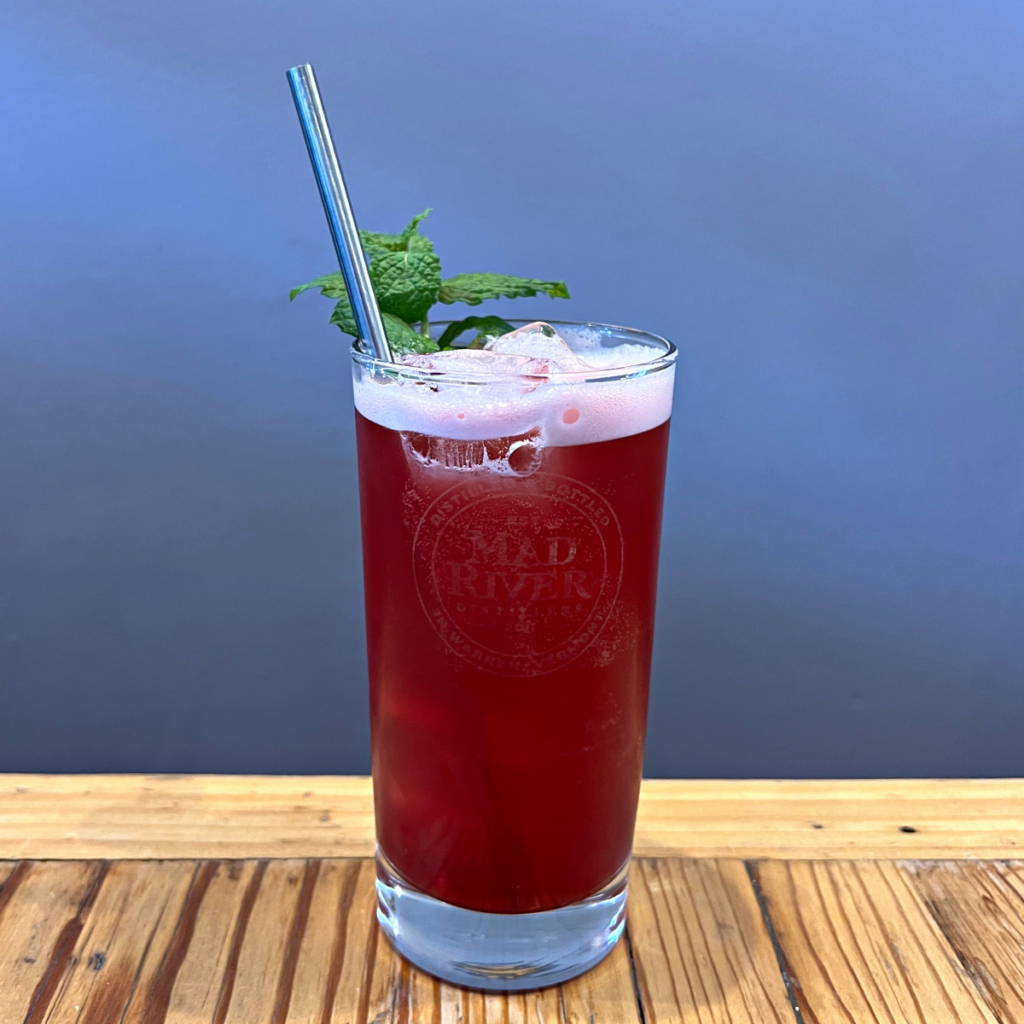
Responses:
[486,327]
[472,289]
[402,337]
[406,277]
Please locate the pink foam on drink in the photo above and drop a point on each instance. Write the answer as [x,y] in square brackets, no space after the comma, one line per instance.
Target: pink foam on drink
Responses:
[590,404]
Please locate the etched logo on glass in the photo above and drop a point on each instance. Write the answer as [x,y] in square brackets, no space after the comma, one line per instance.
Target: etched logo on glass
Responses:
[519,575]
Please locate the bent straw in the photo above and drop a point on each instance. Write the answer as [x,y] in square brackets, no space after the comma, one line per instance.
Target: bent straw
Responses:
[340,218]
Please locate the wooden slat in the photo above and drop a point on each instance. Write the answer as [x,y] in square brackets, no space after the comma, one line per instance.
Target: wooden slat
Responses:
[123,938]
[980,910]
[257,992]
[190,984]
[355,951]
[219,816]
[827,819]
[280,942]
[41,908]
[700,945]
[8,874]
[604,995]
[861,947]
[538,1007]
[72,817]
[290,941]
[385,989]
[318,971]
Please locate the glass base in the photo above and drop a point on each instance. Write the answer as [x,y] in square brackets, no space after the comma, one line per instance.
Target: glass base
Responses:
[499,952]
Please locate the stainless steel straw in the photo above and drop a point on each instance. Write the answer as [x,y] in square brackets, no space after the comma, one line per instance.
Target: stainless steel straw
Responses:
[338,209]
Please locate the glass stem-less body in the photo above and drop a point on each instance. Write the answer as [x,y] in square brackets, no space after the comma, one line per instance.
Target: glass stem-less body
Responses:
[511,528]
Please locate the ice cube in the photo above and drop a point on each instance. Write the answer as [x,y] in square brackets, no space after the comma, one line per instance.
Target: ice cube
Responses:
[542,344]
[468,360]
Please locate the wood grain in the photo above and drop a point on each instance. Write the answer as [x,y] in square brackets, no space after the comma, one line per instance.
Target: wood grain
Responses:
[246,921]
[130,922]
[860,946]
[980,910]
[199,969]
[701,948]
[274,942]
[325,939]
[604,995]
[11,873]
[234,817]
[296,942]
[37,925]
[221,816]
[826,819]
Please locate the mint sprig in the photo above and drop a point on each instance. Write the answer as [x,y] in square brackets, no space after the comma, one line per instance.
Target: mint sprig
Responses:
[406,276]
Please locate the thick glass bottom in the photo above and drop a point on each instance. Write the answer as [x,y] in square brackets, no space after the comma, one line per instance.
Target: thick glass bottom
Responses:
[499,952]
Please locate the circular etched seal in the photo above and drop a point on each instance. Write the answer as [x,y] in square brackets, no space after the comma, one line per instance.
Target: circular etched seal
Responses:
[518,575]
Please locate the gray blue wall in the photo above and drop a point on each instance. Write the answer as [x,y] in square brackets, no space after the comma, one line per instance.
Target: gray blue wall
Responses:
[821,203]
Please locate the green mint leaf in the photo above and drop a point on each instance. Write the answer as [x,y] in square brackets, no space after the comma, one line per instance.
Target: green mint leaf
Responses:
[401,336]
[406,283]
[474,288]
[487,327]
[375,243]
[412,229]
[344,317]
[410,240]
[331,285]
[404,339]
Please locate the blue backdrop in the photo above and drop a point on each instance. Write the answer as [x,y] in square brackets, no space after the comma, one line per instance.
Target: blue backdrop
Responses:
[821,203]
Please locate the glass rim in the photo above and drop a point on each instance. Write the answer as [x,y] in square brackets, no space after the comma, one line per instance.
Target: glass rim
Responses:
[403,371]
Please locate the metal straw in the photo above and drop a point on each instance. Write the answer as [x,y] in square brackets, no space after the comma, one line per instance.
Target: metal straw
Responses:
[340,218]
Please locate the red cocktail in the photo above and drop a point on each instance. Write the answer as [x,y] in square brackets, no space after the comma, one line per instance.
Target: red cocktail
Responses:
[511,527]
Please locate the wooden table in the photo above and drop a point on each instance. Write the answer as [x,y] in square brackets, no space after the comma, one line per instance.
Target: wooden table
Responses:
[144,900]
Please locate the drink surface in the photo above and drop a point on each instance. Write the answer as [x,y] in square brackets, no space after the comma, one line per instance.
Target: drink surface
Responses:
[510,588]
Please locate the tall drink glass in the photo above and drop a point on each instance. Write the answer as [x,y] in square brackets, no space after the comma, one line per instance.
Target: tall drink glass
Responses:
[510,549]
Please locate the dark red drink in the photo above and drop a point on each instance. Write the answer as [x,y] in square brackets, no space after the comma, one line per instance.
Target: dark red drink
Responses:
[509,620]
